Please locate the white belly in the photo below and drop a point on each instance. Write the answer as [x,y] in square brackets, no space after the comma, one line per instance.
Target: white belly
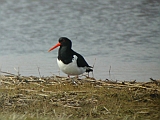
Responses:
[71,68]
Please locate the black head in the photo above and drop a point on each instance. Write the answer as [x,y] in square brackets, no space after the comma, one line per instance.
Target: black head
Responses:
[65,42]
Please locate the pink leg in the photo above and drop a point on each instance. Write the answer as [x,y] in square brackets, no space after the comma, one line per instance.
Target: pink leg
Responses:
[68,76]
[77,76]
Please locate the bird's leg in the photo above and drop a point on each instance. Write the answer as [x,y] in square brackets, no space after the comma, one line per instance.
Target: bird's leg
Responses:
[77,76]
[88,75]
[68,76]
[74,80]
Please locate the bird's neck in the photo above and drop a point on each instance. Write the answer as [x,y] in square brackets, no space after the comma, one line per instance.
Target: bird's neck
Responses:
[64,51]
[65,54]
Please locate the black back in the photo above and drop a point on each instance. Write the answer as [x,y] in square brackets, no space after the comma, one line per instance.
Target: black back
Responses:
[65,53]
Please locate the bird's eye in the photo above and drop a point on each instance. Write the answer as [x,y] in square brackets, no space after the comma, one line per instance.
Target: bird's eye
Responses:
[62,40]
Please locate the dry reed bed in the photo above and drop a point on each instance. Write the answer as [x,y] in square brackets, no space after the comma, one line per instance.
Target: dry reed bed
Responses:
[85,98]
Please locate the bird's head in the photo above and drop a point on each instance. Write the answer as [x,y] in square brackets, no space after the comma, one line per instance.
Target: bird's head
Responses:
[63,41]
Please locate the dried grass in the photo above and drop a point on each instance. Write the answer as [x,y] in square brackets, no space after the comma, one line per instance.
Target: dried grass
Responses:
[59,98]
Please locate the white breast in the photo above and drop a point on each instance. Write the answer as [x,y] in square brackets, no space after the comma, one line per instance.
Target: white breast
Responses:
[71,68]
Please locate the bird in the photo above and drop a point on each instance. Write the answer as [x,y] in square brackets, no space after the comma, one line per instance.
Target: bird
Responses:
[69,61]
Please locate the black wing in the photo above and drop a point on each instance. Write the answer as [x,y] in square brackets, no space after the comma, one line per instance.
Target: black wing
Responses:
[81,62]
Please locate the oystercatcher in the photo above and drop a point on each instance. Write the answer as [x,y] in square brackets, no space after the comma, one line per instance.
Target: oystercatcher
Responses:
[69,61]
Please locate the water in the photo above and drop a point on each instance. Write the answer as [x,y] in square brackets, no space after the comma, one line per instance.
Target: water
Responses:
[123,36]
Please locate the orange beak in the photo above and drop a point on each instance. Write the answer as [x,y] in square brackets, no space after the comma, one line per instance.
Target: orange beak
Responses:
[52,48]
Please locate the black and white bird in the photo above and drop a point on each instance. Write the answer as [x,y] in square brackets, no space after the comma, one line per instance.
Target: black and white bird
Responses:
[69,61]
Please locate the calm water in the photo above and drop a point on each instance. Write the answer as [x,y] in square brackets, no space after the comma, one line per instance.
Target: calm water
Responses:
[122,34]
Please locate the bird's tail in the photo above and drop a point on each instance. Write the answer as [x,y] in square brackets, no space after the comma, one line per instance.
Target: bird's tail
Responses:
[89,69]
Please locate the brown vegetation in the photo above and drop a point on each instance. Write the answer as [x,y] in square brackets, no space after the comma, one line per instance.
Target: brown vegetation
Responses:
[54,97]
